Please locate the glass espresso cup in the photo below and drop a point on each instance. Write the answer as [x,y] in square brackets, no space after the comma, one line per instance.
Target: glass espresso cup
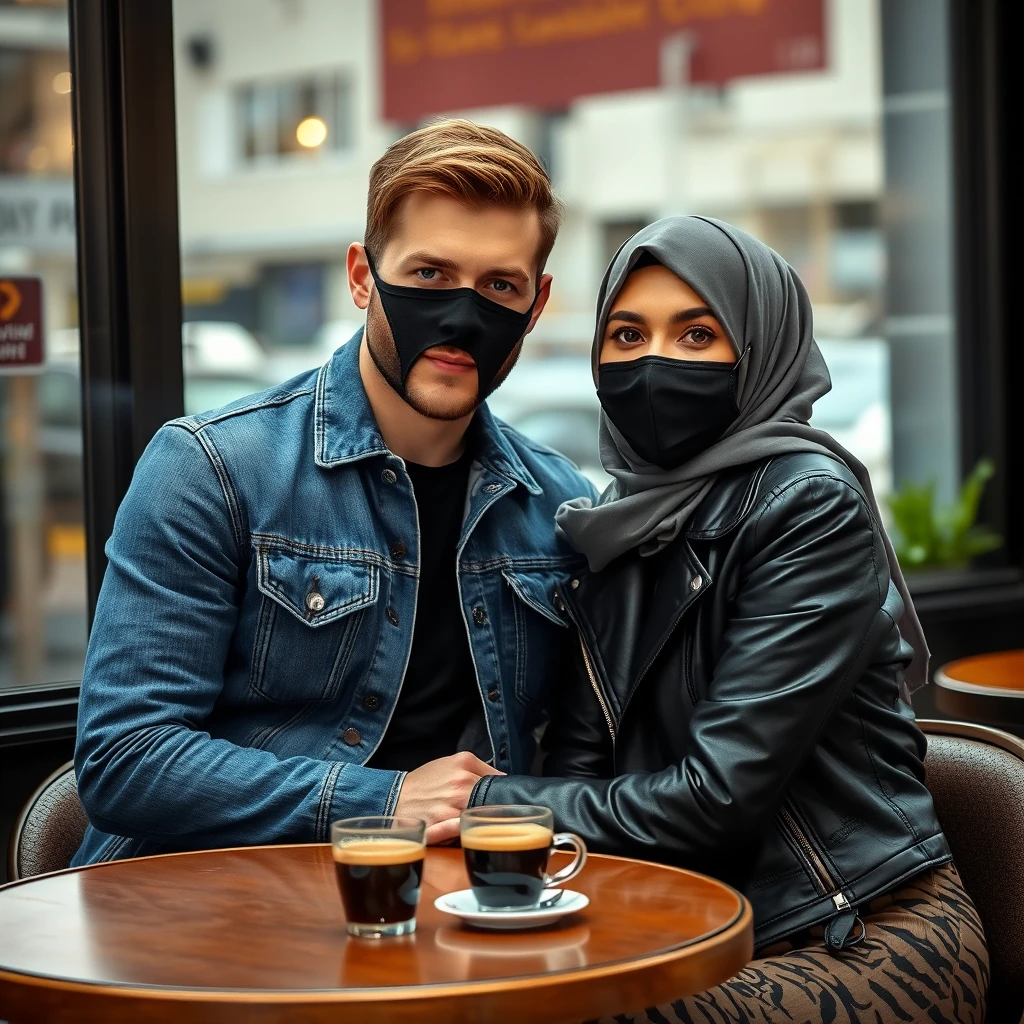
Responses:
[506,850]
[379,866]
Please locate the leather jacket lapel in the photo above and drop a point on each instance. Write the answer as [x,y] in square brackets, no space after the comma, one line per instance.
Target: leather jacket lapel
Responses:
[623,648]
[682,581]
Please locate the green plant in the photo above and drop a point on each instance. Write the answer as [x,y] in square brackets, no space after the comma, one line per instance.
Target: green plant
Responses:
[947,537]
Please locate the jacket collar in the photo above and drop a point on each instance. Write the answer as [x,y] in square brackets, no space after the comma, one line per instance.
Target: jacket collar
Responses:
[728,502]
[345,429]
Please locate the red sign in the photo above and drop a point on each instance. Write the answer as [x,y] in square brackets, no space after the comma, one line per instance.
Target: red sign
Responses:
[442,55]
[21,324]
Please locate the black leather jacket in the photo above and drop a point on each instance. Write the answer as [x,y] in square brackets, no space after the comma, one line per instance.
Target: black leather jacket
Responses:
[736,709]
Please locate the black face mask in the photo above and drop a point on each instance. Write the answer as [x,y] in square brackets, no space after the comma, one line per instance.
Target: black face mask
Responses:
[421,318]
[669,410]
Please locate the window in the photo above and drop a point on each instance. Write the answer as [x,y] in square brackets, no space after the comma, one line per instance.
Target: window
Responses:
[821,126]
[42,540]
[305,118]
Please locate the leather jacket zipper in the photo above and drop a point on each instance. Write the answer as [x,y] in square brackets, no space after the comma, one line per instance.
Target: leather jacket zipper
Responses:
[563,606]
[597,689]
[839,929]
[819,872]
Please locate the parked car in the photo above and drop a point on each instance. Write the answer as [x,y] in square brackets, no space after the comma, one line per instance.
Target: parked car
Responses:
[554,401]
[222,362]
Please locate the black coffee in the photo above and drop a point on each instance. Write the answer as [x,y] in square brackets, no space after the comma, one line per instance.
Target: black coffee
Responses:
[379,879]
[506,863]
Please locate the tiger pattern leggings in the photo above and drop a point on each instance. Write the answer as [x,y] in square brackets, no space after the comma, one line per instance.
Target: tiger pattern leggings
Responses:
[923,958]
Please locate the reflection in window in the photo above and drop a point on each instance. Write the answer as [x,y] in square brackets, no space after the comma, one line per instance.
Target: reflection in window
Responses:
[42,540]
[35,112]
[829,142]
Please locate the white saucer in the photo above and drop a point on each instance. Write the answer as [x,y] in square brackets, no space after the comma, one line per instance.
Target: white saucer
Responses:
[463,904]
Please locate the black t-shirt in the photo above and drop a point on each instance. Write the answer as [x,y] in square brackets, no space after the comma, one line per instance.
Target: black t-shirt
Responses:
[440,692]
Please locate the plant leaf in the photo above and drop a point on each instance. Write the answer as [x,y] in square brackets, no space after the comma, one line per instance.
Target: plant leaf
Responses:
[926,536]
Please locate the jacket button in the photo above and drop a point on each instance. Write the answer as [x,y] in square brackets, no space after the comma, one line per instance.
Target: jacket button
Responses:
[480,616]
[574,584]
[697,582]
[389,476]
[371,702]
[315,601]
[352,737]
[398,551]
[503,751]
[493,693]
[392,615]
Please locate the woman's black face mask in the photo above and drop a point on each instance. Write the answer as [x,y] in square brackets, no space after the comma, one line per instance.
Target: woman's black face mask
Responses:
[422,318]
[669,410]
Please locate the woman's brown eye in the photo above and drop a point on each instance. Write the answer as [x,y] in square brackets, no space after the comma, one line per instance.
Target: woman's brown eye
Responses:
[628,335]
[700,335]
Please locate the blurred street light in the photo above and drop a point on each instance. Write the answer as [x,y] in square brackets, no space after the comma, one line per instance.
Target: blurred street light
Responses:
[311,132]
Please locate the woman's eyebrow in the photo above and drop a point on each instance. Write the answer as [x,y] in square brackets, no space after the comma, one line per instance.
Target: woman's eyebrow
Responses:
[627,315]
[691,314]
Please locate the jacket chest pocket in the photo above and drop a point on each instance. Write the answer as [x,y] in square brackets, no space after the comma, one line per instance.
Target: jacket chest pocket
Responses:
[540,628]
[311,610]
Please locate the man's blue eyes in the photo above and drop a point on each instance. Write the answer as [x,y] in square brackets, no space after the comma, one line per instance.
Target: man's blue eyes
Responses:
[500,286]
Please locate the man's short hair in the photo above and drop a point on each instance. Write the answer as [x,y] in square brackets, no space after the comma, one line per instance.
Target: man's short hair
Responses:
[465,161]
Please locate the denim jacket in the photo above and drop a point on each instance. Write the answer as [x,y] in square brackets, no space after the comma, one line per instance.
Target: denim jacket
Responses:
[257,613]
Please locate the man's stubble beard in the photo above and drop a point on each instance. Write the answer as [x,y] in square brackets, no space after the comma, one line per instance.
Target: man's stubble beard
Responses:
[381,345]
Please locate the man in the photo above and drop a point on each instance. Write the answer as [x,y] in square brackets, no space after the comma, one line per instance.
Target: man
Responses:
[336,598]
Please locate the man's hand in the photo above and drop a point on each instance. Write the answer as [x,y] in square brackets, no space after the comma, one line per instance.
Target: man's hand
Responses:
[439,791]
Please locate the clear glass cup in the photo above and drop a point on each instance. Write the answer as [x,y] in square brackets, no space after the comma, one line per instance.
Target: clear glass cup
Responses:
[379,866]
[506,849]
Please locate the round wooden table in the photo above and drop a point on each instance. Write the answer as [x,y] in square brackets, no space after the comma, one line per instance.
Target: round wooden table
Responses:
[984,688]
[258,934]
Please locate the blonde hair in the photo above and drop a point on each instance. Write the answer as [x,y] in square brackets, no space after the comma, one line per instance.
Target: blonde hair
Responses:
[465,161]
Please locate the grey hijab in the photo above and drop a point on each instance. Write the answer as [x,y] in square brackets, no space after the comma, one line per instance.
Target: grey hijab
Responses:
[764,308]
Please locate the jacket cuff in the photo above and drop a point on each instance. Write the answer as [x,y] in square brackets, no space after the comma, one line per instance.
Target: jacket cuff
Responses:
[356,791]
[479,794]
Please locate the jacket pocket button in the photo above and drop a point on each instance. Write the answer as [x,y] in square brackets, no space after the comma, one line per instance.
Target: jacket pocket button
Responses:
[697,582]
[352,737]
[315,601]
[480,616]
[371,702]
[392,615]
[493,693]
[389,476]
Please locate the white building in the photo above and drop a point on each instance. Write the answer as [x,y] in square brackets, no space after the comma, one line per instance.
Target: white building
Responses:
[795,158]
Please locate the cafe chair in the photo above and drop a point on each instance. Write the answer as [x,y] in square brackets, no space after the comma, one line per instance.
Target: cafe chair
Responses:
[976,778]
[50,827]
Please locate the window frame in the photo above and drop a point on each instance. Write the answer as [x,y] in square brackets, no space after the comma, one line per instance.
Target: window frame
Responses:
[987,363]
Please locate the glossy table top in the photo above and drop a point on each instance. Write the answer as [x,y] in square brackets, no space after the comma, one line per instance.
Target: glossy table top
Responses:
[264,927]
[984,688]
[1002,671]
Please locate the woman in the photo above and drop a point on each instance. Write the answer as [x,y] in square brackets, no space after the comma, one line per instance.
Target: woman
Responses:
[748,647]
